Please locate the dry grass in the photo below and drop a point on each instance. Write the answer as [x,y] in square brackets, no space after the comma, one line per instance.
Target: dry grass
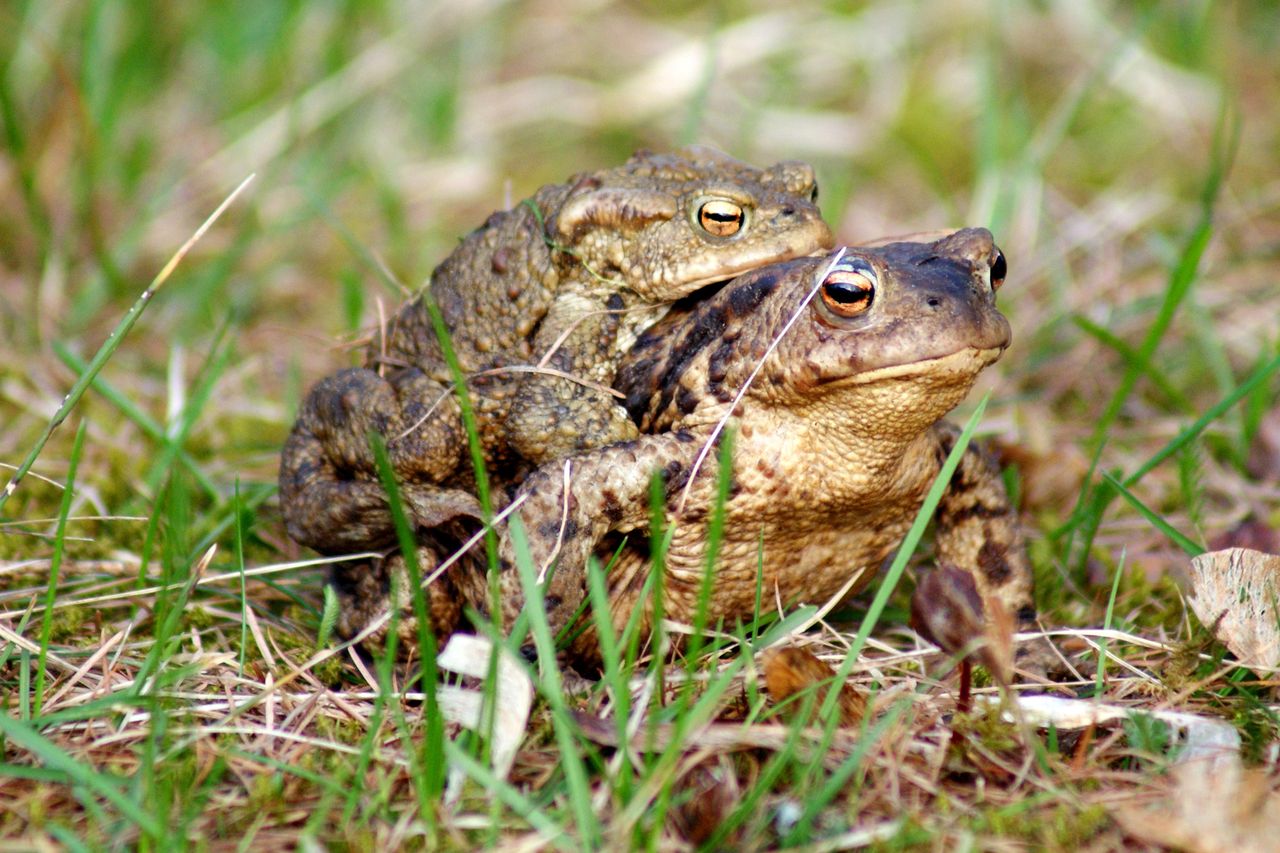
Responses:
[184,698]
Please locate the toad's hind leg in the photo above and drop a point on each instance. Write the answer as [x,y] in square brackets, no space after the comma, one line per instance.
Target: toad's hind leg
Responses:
[330,493]
[367,592]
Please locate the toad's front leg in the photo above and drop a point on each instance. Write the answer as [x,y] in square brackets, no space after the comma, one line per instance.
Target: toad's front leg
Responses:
[555,415]
[568,507]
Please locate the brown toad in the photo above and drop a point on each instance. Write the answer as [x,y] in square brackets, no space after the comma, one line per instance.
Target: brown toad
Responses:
[835,375]
[562,283]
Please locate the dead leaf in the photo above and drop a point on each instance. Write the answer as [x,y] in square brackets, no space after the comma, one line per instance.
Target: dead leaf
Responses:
[1237,595]
[468,655]
[705,796]
[948,611]
[1263,463]
[1250,533]
[790,670]
[1202,740]
[1210,808]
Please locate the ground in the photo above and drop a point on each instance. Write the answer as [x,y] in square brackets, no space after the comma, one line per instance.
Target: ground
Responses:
[163,673]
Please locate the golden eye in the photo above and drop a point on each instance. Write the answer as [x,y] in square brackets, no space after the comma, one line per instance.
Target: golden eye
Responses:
[999,269]
[847,292]
[721,218]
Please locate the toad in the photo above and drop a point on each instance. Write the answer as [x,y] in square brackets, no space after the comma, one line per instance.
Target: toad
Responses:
[540,303]
[834,374]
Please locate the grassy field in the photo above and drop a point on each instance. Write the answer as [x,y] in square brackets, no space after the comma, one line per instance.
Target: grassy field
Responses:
[165,678]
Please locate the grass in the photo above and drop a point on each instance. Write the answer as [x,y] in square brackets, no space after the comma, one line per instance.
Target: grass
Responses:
[161,683]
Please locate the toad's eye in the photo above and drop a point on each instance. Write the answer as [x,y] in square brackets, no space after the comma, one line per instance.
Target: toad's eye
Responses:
[848,292]
[813,194]
[721,218]
[999,269]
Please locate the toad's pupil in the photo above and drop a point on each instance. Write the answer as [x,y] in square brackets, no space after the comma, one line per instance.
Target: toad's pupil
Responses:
[848,294]
[999,268]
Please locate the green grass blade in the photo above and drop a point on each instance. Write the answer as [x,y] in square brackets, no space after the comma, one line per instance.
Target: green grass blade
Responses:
[244,594]
[1157,521]
[430,781]
[1244,389]
[611,657]
[55,564]
[549,684]
[104,785]
[829,710]
[1181,279]
[112,343]
[838,779]
[141,419]
[1101,680]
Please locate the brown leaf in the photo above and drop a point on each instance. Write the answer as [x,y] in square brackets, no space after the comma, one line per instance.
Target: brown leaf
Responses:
[947,610]
[705,797]
[1236,595]
[1250,533]
[1211,807]
[1263,463]
[1051,476]
[790,670]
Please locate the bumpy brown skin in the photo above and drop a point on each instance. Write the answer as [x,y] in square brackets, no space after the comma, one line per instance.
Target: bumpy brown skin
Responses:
[837,441]
[576,272]
[838,438]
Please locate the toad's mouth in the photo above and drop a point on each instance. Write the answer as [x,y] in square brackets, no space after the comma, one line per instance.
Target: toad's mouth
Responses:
[751,264]
[965,362]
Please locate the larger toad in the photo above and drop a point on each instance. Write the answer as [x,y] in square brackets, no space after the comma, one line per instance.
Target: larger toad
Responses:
[834,373]
[540,303]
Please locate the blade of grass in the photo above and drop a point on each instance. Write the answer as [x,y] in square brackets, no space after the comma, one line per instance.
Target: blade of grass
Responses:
[103,784]
[715,532]
[172,610]
[837,780]
[781,760]
[1189,434]
[1101,680]
[830,705]
[1181,279]
[1157,521]
[244,595]
[429,780]
[511,797]
[55,564]
[549,684]
[615,677]
[112,343]
[1131,356]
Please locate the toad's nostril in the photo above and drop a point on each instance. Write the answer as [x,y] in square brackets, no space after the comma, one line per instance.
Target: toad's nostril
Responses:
[787,210]
[933,302]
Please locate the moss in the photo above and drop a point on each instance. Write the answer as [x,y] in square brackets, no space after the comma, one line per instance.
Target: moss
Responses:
[195,616]
[331,672]
[987,727]
[1064,827]
[266,794]
[343,731]
[67,627]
